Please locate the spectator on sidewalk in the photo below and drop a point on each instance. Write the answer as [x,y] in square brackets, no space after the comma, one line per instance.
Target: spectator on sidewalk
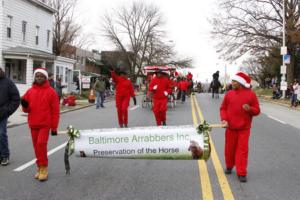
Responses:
[296,92]
[58,88]
[276,92]
[51,80]
[41,104]
[9,103]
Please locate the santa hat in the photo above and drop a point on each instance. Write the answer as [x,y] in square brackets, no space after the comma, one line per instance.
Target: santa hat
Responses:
[41,70]
[242,78]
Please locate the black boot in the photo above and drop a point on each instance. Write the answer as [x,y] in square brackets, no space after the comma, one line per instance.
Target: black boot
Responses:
[228,171]
[121,125]
[125,126]
[243,179]
[164,124]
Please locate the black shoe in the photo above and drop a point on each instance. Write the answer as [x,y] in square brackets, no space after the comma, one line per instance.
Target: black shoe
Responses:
[164,124]
[4,161]
[228,171]
[121,125]
[125,126]
[243,179]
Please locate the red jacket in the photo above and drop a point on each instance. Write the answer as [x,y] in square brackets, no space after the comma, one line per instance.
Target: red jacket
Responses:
[189,76]
[232,108]
[183,85]
[124,86]
[164,84]
[43,109]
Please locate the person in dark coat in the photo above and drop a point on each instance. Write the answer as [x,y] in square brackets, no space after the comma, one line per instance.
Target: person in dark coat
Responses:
[9,103]
[51,80]
[58,88]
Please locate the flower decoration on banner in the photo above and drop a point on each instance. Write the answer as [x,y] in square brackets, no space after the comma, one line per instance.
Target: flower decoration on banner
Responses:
[204,128]
[70,147]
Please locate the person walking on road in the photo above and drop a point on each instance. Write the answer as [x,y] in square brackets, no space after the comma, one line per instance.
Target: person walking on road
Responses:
[124,90]
[183,86]
[41,104]
[9,103]
[100,87]
[160,86]
[237,110]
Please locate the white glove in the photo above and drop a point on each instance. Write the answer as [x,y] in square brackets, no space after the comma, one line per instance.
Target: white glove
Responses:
[166,93]
[154,87]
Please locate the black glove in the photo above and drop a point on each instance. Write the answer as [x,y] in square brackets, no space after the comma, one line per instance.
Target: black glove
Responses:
[24,103]
[54,133]
[134,101]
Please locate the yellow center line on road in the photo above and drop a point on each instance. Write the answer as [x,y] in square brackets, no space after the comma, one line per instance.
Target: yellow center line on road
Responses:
[225,187]
[203,172]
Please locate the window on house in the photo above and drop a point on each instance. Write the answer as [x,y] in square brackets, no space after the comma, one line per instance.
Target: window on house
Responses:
[9,24]
[37,30]
[24,24]
[16,70]
[48,38]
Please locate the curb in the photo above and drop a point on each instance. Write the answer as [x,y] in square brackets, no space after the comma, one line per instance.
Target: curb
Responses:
[278,103]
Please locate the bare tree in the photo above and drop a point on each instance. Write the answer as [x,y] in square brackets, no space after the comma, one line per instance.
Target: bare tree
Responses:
[65,31]
[255,26]
[135,28]
[263,67]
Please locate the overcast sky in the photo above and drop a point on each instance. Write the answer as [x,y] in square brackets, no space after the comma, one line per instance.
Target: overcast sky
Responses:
[186,25]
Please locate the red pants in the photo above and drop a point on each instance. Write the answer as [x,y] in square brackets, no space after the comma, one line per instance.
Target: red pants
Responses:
[122,108]
[40,140]
[236,150]
[160,107]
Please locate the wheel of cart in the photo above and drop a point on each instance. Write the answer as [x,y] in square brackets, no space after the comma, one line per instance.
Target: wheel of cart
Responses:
[172,101]
[147,101]
[144,101]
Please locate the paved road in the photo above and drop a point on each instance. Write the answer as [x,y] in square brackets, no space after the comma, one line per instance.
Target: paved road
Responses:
[273,163]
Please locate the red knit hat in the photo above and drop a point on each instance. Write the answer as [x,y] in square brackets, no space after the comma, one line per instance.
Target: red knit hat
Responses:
[41,70]
[243,79]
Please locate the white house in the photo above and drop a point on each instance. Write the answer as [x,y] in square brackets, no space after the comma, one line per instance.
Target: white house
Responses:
[26,40]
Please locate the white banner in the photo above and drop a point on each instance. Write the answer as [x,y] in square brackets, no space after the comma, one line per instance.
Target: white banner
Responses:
[169,142]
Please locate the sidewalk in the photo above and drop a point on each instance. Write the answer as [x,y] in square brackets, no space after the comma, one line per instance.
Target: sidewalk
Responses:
[282,102]
[19,117]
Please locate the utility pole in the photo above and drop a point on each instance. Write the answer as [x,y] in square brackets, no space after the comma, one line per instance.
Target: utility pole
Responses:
[283,84]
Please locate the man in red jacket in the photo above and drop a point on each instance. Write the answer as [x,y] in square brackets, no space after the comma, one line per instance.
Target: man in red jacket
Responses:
[237,109]
[183,86]
[124,90]
[160,86]
[42,105]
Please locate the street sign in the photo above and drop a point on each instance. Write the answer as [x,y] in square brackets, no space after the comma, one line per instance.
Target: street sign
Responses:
[86,82]
[283,50]
[283,85]
[283,69]
[287,59]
